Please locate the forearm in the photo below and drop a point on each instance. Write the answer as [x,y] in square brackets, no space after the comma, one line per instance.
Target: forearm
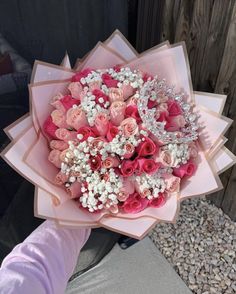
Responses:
[44,262]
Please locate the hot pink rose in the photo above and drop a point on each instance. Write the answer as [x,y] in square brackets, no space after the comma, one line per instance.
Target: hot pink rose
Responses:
[151,104]
[74,190]
[129,150]
[58,145]
[146,76]
[50,128]
[147,147]
[134,204]
[162,116]
[132,111]
[193,150]
[128,168]
[65,135]
[97,143]
[75,89]
[186,169]
[148,166]
[129,127]
[110,162]
[59,118]
[82,74]
[100,97]
[172,184]
[76,118]
[61,178]
[111,132]
[116,94]
[54,157]
[117,112]
[175,123]
[95,162]
[86,132]
[159,201]
[101,123]
[67,101]
[173,108]
[127,91]
[109,81]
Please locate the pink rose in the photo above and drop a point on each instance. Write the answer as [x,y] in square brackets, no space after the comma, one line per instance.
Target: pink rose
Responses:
[110,162]
[76,118]
[127,91]
[65,135]
[116,94]
[148,166]
[67,101]
[175,123]
[147,147]
[129,150]
[111,132]
[134,204]
[127,189]
[82,74]
[109,81]
[97,143]
[128,168]
[117,112]
[193,150]
[129,127]
[100,97]
[132,111]
[74,190]
[95,162]
[50,128]
[101,123]
[94,85]
[75,89]
[187,169]
[159,201]
[173,108]
[86,132]
[54,157]
[58,145]
[172,184]
[61,178]
[166,158]
[59,118]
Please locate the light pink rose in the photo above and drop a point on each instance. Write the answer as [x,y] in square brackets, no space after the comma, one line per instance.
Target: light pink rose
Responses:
[132,101]
[117,112]
[129,150]
[165,158]
[94,86]
[101,123]
[64,153]
[97,143]
[55,102]
[129,127]
[61,178]
[163,98]
[115,94]
[127,91]
[54,157]
[114,208]
[175,123]
[144,193]
[65,135]
[74,190]
[76,118]
[58,145]
[75,89]
[193,150]
[122,196]
[172,184]
[110,161]
[128,186]
[59,118]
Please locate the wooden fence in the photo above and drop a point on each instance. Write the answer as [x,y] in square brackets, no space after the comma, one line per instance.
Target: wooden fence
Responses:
[209,29]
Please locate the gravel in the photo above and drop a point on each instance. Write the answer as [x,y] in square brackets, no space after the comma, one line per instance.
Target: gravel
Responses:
[201,247]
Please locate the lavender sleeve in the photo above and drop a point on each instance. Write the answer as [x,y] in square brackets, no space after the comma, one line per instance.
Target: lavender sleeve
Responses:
[44,262]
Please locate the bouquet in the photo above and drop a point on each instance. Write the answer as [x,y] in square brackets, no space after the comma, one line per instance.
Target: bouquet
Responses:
[120,140]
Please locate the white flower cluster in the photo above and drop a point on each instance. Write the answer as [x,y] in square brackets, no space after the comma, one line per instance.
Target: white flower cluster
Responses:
[98,193]
[93,76]
[150,185]
[179,152]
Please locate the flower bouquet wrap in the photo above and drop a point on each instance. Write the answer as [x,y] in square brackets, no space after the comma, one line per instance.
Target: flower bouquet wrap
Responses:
[119,140]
